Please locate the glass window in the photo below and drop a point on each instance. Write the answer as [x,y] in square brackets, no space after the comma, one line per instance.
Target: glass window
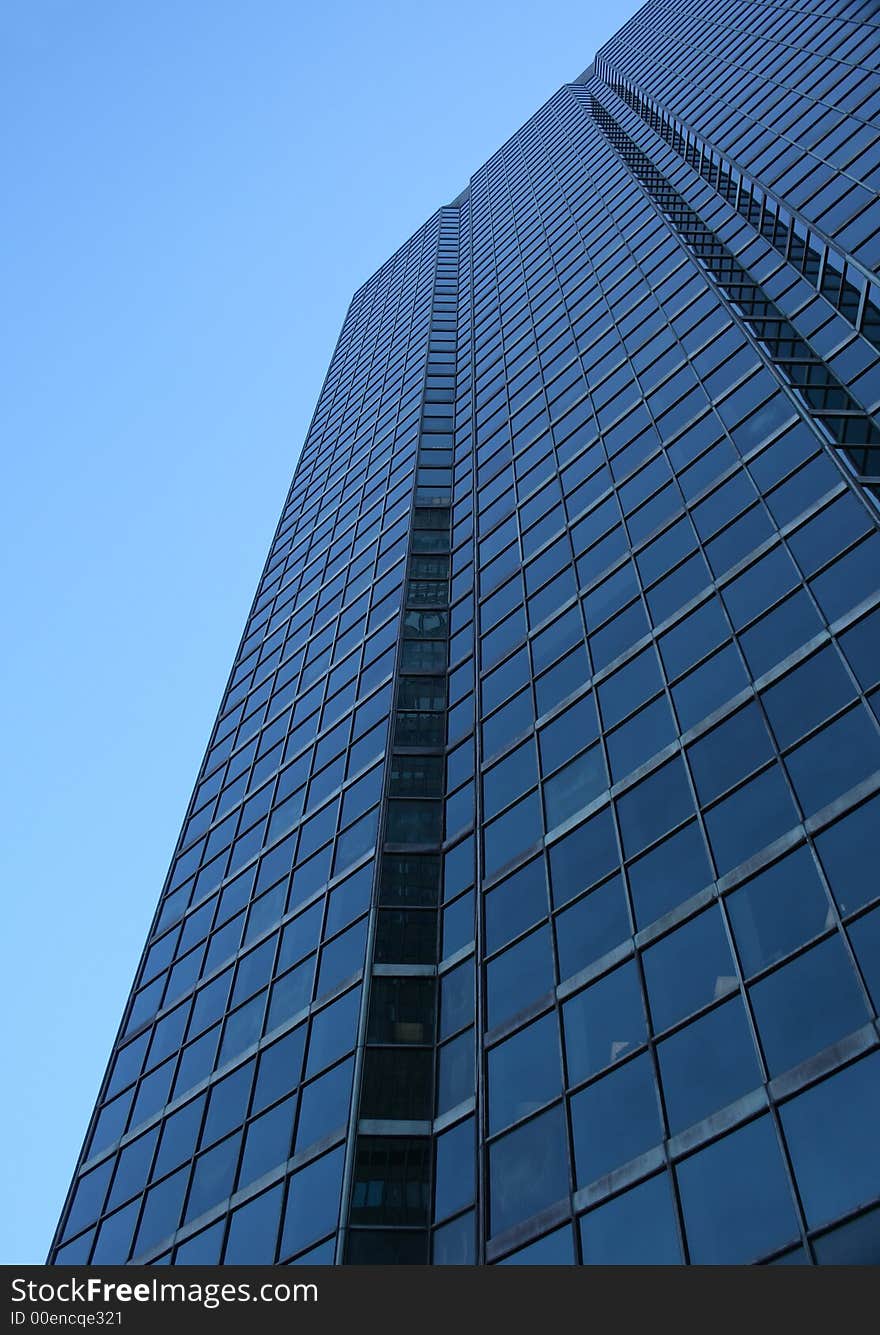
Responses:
[454,1169]
[323,1105]
[615,1120]
[591,927]
[735,1198]
[688,969]
[637,1228]
[267,1142]
[669,874]
[807,1004]
[213,1178]
[708,686]
[603,1023]
[654,806]
[515,904]
[575,786]
[528,1170]
[313,1202]
[835,760]
[518,977]
[865,938]
[855,1243]
[749,819]
[707,1065]
[583,857]
[778,910]
[831,1132]
[556,1248]
[848,851]
[641,737]
[568,733]
[524,1072]
[455,1072]
[456,998]
[453,1244]
[512,776]
[730,751]
[253,1230]
[806,696]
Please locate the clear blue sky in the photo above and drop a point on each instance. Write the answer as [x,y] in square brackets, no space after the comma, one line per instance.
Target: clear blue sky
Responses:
[192,193]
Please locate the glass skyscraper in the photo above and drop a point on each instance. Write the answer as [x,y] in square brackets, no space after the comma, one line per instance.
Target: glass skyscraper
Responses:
[527,907]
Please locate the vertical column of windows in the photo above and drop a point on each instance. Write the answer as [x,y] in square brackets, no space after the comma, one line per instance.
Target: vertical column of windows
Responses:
[395,1160]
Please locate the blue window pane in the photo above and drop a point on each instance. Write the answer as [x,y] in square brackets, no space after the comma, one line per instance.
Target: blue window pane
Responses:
[575,786]
[568,733]
[735,1198]
[865,938]
[778,910]
[88,1198]
[831,1132]
[848,852]
[637,1228]
[849,580]
[806,696]
[323,1105]
[629,686]
[692,638]
[268,1142]
[454,1169]
[515,904]
[253,1230]
[654,806]
[615,1119]
[454,1242]
[512,776]
[524,1072]
[213,1177]
[807,1004]
[518,829]
[203,1248]
[528,1170]
[861,645]
[855,1243]
[312,1202]
[641,737]
[280,1068]
[590,928]
[556,1248]
[834,761]
[133,1168]
[583,857]
[749,819]
[456,998]
[708,686]
[334,1031]
[780,632]
[113,1244]
[688,969]
[729,752]
[669,874]
[518,977]
[162,1209]
[562,680]
[603,1023]
[707,1065]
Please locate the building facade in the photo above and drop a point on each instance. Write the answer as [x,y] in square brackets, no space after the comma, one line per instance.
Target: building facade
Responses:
[527,909]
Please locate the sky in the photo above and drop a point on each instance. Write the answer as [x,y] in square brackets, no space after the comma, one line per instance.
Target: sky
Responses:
[193,193]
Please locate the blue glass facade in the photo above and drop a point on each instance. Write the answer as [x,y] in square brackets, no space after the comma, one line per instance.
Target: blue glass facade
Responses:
[526,909]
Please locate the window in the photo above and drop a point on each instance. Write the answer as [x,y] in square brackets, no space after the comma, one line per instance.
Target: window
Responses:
[636,1228]
[528,1170]
[735,1199]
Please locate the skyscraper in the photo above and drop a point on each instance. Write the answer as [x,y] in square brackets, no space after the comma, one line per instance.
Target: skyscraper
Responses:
[526,908]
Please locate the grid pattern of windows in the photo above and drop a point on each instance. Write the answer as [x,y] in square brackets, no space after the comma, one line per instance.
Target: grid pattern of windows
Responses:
[526,908]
